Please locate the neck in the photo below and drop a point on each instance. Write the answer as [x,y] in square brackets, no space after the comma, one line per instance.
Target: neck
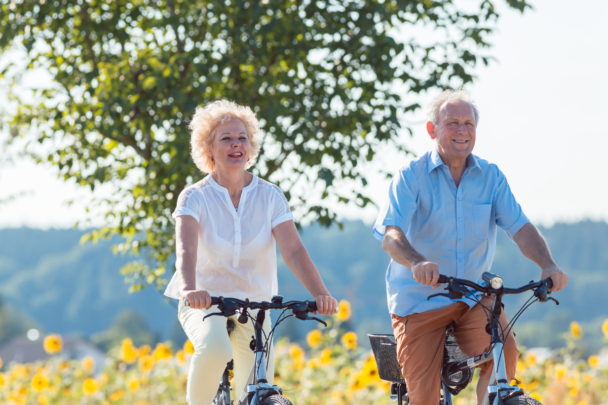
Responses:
[456,166]
[234,181]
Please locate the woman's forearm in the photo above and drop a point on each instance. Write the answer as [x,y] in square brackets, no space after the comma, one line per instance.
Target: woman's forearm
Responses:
[301,265]
[186,237]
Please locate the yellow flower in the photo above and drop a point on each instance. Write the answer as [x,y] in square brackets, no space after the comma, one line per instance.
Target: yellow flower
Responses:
[39,382]
[296,352]
[314,338]
[103,378]
[189,347]
[357,384]
[133,384]
[593,361]
[325,357]
[587,377]
[343,310]
[117,395]
[146,363]
[573,392]
[575,330]
[53,344]
[18,397]
[370,371]
[536,396]
[180,356]
[90,386]
[605,328]
[560,372]
[312,363]
[2,380]
[128,352]
[144,349]
[162,351]
[43,400]
[583,402]
[531,358]
[88,364]
[349,340]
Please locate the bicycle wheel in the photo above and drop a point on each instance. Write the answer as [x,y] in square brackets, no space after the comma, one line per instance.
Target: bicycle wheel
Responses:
[276,399]
[522,400]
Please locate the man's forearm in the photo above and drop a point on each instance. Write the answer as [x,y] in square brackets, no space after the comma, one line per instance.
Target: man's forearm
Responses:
[399,249]
[533,246]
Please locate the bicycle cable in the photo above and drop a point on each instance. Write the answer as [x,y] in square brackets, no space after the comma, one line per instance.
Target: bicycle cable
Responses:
[519,313]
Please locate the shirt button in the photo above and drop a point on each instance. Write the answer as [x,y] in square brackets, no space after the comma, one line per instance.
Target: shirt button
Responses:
[460,240]
[460,219]
[459,198]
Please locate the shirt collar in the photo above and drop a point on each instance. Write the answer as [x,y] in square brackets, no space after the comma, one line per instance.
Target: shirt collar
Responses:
[436,161]
[248,187]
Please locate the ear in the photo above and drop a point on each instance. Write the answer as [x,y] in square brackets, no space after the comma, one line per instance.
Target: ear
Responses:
[430,128]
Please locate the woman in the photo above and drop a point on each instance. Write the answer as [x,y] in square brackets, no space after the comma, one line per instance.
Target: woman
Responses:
[226,228]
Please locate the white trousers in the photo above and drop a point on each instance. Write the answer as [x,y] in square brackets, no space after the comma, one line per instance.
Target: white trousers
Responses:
[213,349]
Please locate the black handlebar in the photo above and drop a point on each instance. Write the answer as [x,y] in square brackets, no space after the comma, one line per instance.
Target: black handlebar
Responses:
[448,280]
[299,306]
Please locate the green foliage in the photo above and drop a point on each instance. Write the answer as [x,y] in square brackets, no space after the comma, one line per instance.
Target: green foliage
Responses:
[128,324]
[326,79]
[11,323]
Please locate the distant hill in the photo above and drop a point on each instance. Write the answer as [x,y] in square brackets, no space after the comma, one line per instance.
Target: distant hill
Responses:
[70,288]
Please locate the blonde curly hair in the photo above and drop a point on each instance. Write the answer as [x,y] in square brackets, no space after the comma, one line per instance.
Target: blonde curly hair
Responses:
[206,119]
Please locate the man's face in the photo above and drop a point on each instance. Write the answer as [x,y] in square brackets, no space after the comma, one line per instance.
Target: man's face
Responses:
[455,132]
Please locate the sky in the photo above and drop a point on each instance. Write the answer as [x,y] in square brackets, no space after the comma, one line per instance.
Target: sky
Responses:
[542,106]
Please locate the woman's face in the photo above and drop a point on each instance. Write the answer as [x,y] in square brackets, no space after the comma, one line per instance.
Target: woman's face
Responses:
[230,147]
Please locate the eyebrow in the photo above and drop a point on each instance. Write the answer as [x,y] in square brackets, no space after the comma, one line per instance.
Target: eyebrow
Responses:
[228,133]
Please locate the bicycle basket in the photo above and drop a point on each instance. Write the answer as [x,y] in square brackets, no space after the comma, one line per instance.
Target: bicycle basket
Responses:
[385,352]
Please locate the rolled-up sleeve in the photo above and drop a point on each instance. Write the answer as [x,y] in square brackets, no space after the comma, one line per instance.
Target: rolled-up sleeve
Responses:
[400,205]
[509,215]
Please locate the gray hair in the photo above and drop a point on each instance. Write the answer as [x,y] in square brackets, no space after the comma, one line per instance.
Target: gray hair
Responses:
[450,96]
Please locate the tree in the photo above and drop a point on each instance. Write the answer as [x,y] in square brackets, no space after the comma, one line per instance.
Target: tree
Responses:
[326,79]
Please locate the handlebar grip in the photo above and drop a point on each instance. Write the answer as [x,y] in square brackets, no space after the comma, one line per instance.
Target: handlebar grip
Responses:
[312,306]
[549,283]
[214,301]
[443,279]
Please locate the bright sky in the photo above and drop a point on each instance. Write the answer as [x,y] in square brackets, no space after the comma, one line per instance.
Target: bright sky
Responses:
[541,109]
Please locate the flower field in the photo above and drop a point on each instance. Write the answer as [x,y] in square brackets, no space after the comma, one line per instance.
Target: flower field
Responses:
[330,369]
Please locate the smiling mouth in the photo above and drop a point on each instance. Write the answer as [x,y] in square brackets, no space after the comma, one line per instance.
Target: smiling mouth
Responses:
[460,141]
[236,155]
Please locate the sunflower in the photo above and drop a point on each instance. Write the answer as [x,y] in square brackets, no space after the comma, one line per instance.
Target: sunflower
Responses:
[162,351]
[116,395]
[343,311]
[180,357]
[593,361]
[2,380]
[39,382]
[605,328]
[146,363]
[53,344]
[189,347]
[349,340]
[314,338]
[575,330]
[88,364]
[42,399]
[128,352]
[90,386]
[325,357]
[133,384]
[144,349]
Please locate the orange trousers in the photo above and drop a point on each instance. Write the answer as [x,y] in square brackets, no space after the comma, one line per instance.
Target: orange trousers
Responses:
[420,341]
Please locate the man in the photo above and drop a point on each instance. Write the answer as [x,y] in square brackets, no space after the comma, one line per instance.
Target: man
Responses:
[441,218]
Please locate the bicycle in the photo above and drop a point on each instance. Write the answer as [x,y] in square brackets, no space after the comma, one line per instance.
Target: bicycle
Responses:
[257,391]
[457,369]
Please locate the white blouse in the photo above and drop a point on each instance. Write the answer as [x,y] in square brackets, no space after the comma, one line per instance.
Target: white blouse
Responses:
[236,254]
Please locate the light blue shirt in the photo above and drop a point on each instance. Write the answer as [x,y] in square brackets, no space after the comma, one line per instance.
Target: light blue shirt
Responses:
[453,227]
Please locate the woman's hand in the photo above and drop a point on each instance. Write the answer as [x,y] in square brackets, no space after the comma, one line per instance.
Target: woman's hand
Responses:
[326,304]
[198,299]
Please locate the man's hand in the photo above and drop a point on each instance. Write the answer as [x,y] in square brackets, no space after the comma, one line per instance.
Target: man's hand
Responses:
[426,273]
[198,299]
[560,279]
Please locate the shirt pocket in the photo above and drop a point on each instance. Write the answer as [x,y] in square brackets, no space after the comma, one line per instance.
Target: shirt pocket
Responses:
[482,219]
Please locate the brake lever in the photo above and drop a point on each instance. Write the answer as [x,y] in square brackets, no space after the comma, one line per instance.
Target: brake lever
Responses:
[553,299]
[317,319]
[223,313]
[437,295]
